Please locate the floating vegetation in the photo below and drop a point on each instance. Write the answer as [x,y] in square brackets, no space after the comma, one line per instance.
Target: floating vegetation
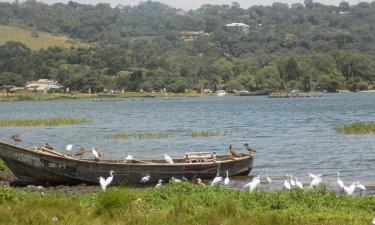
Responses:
[357,128]
[205,133]
[161,134]
[43,122]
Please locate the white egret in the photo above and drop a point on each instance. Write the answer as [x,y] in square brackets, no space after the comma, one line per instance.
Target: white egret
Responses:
[129,157]
[315,182]
[199,181]
[286,184]
[361,186]
[269,181]
[168,159]
[340,182]
[226,180]
[216,180]
[373,222]
[313,176]
[253,183]
[292,182]
[145,179]
[104,183]
[350,190]
[159,184]
[174,180]
[95,153]
[298,183]
[69,148]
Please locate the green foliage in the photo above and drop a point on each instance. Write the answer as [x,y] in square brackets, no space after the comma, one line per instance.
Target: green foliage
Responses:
[185,203]
[357,128]
[307,46]
[3,167]
[43,122]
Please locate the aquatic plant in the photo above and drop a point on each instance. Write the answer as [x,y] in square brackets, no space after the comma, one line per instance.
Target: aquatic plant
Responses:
[43,122]
[205,133]
[357,128]
[124,136]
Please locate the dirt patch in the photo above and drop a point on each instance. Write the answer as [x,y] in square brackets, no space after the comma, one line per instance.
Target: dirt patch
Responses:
[8,179]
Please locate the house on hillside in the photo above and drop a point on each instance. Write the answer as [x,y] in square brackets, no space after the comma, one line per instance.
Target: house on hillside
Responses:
[181,12]
[192,35]
[241,26]
[43,86]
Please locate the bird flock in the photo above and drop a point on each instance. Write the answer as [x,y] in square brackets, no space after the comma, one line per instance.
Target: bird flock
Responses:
[291,182]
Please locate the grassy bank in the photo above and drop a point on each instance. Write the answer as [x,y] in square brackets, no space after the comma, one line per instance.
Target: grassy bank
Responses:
[357,128]
[184,203]
[124,136]
[29,96]
[43,122]
[3,167]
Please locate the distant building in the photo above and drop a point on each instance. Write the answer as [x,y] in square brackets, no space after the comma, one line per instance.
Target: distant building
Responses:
[43,86]
[243,27]
[181,12]
[191,35]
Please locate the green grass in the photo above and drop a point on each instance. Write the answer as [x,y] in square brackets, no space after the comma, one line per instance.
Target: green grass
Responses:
[185,203]
[205,133]
[357,128]
[43,122]
[123,136]
[44,40]
[3,167]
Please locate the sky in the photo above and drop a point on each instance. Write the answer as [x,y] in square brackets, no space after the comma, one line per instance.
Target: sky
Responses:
[193,4]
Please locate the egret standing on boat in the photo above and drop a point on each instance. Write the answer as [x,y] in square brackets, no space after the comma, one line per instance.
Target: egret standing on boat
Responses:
[168,159]
[104,183]
[16,138]
[69,149]
[233,152]
[81,151]
[96,153]
[129,157]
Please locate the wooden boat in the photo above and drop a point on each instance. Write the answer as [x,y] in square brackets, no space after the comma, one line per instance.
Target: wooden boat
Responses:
[43,166]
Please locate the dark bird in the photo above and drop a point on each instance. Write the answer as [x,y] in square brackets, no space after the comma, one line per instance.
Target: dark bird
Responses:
[48,146]
[250,148]
[80,152]
[16,138]
[233,151]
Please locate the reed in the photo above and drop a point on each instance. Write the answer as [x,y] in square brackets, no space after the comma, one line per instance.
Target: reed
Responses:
[357,128]
[139,136]
[43,122]
[205,133]
[184,204]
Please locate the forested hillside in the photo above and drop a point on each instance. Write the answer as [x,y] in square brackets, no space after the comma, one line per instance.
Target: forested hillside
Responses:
[306,45]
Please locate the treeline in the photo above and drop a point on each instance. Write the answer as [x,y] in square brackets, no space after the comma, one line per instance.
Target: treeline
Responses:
[307,46]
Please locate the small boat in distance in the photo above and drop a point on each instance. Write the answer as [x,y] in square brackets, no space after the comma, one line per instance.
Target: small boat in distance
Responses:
[295,94]
[44,166]
[221,93]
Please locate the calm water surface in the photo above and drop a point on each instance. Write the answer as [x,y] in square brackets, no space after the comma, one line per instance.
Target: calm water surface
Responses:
[291,135]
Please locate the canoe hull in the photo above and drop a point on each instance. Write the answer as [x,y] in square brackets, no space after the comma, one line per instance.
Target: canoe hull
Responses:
[35,167]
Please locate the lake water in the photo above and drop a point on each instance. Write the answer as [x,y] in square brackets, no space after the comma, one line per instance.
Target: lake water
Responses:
[291,135]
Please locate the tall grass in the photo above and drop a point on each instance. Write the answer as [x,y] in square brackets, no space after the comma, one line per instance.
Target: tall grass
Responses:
[43,122]
[357,128]
[205,133]
[3,167]
[123,136]
[184,204]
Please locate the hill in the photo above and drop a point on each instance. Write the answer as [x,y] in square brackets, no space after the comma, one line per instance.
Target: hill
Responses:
[36,39]
[151,46]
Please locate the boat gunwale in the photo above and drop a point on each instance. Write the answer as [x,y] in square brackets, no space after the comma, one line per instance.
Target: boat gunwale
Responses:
[104,162]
